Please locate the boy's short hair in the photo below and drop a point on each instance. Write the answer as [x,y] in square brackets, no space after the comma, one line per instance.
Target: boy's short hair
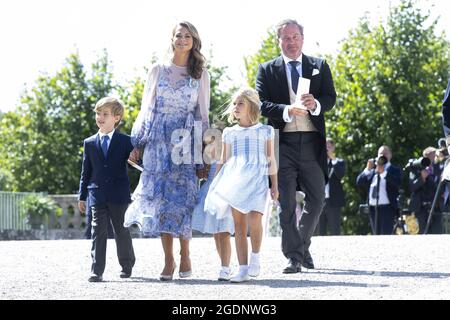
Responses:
[115,105]
[250,96]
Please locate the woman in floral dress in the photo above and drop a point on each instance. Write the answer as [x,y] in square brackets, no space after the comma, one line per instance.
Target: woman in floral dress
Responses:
[174,109]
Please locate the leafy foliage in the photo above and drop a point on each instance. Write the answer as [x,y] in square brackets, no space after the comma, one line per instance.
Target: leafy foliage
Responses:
[37,208]
[268,51]
[390,79]
[44,136]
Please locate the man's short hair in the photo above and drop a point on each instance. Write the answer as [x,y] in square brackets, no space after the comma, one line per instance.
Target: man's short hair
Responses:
[286,22]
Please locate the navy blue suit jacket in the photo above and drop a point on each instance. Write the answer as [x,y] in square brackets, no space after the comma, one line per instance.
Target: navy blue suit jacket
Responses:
[446,111]
[393,181]
[105,179]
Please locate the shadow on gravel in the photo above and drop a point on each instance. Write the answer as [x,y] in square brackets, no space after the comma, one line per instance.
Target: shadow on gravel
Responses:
[341,272]
[276,283]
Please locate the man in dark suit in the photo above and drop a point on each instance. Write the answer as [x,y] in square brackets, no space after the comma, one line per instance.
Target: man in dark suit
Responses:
[423,182]
[446,111]
[104,180]
[334,193]
[381,181]
[301,126]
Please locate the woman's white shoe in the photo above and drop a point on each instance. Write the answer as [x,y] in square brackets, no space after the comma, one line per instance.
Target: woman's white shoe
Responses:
[185,274]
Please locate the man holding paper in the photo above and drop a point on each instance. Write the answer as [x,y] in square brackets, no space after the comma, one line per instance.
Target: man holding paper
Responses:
[295,91]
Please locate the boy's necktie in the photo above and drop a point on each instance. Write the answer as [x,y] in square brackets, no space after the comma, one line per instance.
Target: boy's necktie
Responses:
[105,145]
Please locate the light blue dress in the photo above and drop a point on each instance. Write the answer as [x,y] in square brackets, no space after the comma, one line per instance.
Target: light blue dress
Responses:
[167,190]
[242,183]
[208,223]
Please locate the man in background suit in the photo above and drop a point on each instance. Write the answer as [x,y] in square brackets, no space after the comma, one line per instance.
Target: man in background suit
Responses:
[381,181]
[423,182]
[334,194]
[301,125]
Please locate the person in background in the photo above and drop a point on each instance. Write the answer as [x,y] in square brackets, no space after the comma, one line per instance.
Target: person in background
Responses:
[334,193]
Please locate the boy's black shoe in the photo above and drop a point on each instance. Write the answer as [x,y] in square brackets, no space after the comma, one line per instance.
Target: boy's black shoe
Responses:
[95,278]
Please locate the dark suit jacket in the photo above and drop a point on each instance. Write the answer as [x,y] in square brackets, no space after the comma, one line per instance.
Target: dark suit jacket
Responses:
[393,181]
[337,194]
[423,191]
[272,86]
[446,110]
[105,180]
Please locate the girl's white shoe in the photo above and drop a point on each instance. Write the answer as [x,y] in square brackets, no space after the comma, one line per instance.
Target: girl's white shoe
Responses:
[254,266]
[224,275]
[240,277]
[254,269]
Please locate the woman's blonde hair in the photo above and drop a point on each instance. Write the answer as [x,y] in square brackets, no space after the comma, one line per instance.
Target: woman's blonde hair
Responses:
[196,59]
[251,97]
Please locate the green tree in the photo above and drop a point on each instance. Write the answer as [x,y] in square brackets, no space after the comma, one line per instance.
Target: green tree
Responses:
[48,128]
[269,50]
[390,79]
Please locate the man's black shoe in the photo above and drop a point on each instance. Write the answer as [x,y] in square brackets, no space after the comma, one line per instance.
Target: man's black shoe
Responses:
[292,267]
[95,278]
[125,274]
[308,261]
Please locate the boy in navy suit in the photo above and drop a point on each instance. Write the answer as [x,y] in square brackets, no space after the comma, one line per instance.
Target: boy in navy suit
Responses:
[104,182]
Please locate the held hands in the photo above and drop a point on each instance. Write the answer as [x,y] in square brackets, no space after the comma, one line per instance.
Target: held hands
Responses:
[135,155]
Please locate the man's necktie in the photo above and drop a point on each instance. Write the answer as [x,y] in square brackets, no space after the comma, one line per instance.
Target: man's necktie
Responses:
[376,188]
[105,145]
[294,75]
[330,165]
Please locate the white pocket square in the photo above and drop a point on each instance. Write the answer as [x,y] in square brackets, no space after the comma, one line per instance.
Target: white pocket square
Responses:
[315,72]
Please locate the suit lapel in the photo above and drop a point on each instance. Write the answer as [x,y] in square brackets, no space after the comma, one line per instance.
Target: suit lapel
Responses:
[280,74]
[114,142]
[307,67]
[99,147]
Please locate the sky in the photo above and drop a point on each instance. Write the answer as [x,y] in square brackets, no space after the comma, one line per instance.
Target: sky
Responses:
[36,36]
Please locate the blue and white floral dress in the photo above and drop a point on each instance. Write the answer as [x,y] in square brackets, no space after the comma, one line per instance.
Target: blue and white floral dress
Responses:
[167,191]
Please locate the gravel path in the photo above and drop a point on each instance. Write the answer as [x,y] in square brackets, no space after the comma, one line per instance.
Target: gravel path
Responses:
[350,267]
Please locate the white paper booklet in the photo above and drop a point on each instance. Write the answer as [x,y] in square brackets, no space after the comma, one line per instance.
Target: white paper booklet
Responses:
[303,87]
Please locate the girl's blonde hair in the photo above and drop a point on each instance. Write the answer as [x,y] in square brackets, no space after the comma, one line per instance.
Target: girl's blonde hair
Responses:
[251,97]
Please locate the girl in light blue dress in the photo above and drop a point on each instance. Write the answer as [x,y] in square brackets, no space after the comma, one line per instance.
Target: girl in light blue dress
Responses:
[240,186]
[208,223]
